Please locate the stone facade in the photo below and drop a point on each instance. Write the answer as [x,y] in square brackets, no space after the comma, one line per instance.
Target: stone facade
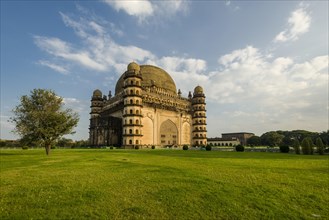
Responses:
[147,110]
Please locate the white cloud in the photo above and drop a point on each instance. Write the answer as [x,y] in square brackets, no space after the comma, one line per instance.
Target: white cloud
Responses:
[143,9]
[140,8]
[299,23]
[6,128]
[61,49]
[262,91]
[53,66]
[76,104]
[100,52]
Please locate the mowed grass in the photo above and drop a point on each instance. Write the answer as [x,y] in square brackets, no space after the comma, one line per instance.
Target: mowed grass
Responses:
[162,184]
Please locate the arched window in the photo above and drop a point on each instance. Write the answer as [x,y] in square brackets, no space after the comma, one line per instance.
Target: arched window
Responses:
[137,83]
[131,91]
[131,101]
[130,121]
[130,142]
[137,121]
[130,131]
[137,92]
[131,111]
[125,131]
[137,112]
[137,102]
[131,82]
[125,121]
[137,131]
[136,141]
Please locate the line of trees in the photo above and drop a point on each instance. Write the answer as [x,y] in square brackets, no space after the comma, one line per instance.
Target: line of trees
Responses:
[301,140]
[61,143]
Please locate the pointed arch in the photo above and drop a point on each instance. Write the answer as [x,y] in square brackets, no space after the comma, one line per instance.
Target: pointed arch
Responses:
[168,133]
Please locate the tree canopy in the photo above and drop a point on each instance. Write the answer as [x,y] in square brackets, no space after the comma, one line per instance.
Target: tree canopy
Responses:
[272,138]
[40,118]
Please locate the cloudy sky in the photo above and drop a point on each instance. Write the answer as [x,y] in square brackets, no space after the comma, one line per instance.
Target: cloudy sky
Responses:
[263,65]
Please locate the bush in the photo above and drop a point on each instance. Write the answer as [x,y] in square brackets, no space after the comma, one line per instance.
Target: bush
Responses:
[52,147]
[111,148]
[239,148]
[208,148]
[136,147]
[25,147]
[307,146]
[284,149]
[153,147]
[320,146]
[296,146]
[185,147]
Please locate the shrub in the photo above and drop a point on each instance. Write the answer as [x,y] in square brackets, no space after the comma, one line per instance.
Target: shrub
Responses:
[239,148]
[296,146]
[52,147]
[284,149]
[111,148]
[320,146]
[185,147]
[25,147]
[153,147]
[208,148]
[136,147]
[307,146]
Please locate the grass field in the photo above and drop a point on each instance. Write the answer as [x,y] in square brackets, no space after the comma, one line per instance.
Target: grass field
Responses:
[162,184]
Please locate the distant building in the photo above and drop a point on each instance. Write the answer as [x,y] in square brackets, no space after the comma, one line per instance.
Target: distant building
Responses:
[223,141]
[241,136]
[147,110]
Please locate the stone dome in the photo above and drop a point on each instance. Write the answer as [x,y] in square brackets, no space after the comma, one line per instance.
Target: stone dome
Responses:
[133,66]
[151,75]
[198,90]
[97,93]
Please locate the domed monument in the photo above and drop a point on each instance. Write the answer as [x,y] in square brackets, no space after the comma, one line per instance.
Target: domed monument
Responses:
[147,110]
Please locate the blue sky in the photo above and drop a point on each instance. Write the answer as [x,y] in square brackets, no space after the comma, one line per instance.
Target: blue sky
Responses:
[263,64]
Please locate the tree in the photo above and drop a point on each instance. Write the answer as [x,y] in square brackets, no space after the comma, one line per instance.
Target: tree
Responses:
[254,141]
[319,146]
[307,146]
[296,146]
[325,137]
[271,138]
[40,118]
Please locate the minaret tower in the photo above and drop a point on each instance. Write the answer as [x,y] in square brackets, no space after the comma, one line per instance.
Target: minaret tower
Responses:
[132,112]
[96,107]
[199,132]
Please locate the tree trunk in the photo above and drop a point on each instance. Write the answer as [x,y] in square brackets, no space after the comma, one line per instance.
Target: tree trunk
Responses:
[47,146]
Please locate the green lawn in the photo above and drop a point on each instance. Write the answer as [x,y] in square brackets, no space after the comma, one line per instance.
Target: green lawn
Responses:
[162,184]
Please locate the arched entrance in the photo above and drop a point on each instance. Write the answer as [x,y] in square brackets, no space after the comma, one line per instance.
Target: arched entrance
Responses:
[168,133]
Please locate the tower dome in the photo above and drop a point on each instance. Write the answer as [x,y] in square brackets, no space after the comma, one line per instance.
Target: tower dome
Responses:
[198,90]
[151,75]
[97,93]
[133,67]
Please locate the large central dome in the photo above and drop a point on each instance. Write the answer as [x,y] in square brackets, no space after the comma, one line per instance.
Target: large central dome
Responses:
[152,75]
